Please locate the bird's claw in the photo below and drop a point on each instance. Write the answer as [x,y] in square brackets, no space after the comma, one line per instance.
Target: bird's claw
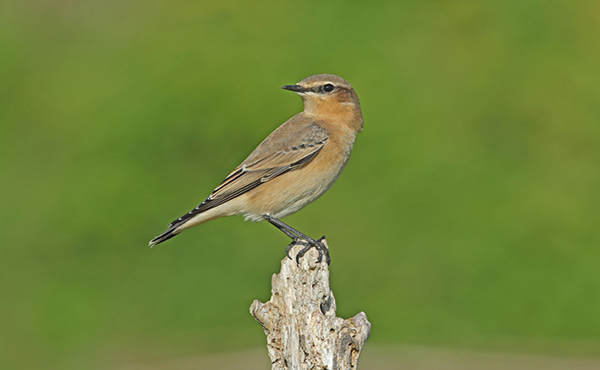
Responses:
[321,248]
[291,245]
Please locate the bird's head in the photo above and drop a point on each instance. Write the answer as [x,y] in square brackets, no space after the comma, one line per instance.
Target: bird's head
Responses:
[330,96]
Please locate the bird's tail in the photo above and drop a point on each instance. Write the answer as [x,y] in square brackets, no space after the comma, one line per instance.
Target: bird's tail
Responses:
[164,236]
[195,217]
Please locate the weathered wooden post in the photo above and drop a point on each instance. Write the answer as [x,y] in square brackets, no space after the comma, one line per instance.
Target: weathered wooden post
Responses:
[299,320]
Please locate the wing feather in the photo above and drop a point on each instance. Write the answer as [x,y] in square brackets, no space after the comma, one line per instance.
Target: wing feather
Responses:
[276,155]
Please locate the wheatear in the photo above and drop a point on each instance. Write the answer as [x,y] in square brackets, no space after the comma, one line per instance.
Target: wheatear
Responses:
[292,167]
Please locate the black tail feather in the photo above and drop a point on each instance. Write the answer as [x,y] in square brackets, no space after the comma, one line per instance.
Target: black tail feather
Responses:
[163,237]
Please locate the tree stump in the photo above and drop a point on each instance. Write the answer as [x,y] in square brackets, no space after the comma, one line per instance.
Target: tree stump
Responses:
[299,320]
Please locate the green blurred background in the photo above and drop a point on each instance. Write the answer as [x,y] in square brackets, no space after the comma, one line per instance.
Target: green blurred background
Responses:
[467,217]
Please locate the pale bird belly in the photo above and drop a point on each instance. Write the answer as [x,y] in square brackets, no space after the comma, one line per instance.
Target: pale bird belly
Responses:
[289,193]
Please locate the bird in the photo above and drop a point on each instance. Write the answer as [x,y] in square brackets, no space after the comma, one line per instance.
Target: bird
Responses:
[291,168]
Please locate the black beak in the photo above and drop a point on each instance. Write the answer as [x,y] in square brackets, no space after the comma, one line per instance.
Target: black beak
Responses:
[294,88]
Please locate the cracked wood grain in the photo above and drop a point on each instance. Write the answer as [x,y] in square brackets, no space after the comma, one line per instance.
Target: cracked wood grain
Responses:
[300,320]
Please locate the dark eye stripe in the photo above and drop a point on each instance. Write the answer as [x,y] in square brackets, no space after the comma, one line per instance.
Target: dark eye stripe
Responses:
[323,89]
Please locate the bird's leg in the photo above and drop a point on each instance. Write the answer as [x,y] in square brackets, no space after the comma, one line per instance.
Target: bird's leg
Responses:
[296,235]
[287,230]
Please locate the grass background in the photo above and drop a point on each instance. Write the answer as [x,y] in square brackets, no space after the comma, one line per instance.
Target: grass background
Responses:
[468,215]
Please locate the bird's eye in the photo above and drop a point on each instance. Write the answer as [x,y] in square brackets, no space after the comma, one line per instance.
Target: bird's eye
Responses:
[328,88]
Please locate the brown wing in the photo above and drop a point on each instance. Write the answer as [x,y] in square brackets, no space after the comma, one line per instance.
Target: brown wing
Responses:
[286,149]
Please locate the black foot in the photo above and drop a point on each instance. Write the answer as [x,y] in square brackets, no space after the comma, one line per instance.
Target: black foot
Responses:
[288,248]
[299,238]
[321,248]
[291,245]
[325,249]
